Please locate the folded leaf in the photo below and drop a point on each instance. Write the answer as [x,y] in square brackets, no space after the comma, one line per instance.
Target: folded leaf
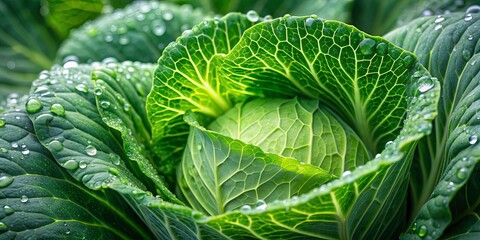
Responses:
[39,199]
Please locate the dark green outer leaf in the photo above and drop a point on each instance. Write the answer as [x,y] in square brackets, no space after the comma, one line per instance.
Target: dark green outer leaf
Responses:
[41,200]
[449,47]
[26,45]
[121,95]
[139,32]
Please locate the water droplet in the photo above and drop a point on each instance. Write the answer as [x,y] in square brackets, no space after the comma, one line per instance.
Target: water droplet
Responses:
[24,199]
[2,122]
[346,173]
[437,27]
[473,139]
[11,65]
[422,231]
[426,84]
[167,16]
[427,12]
[367,46]
[91,150]
[245,208]
[56,145]
[462,173]
[388,143]
[473,9]
[252,16]
[57,109]
[3,227]
[126,107]
[123,40]
[105,104]
[92,31]
[408,61]
[71,164]
[82,164]
[310,21]
[439,19]
[98,91]
[382,49]
[25,151]
[44,75]
[14,145]
[158,27]
[113,171]
[67,231]
[470,37]
[414,226]
[114,158]
[466,55]
[108,38]
[5,180]
[8,210]
[468,17]
[81,88]
[33,105]
[3,150]
[260,205]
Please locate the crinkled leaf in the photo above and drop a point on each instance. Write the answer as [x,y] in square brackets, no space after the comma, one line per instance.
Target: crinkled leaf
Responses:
[297,128]
[39,199]
[65,116]
[139,33]
[185,80]
[120,92]
[444,187]
[362,78]
[369,202]
[26,45]
[219,174]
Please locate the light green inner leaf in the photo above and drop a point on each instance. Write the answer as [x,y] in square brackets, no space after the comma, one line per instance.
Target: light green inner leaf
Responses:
[297,128]
[220,174]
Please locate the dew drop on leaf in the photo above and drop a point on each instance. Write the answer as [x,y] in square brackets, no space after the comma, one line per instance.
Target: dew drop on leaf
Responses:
[260,205]
[8,210]
[439,19]
[408,61]
[462,173]
[91,150]
[5,180]
[105,104]
[468,17]
[56,145]
[3,150]
[33,105]
[473,139]
[2,122]
[382,49]
[252,16]
[3,227]
[367,46]
[427,12]
[167,16]
[82,164]
[414,227]
[57,109]
[44,75]
[124,40]
[158,28]
[426,84]
[437,27]
[422,231]
[470,37]
[245,208]
[114,158]
[25,151]
[23,199]
[71,164]
[81,88]
[346,173]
